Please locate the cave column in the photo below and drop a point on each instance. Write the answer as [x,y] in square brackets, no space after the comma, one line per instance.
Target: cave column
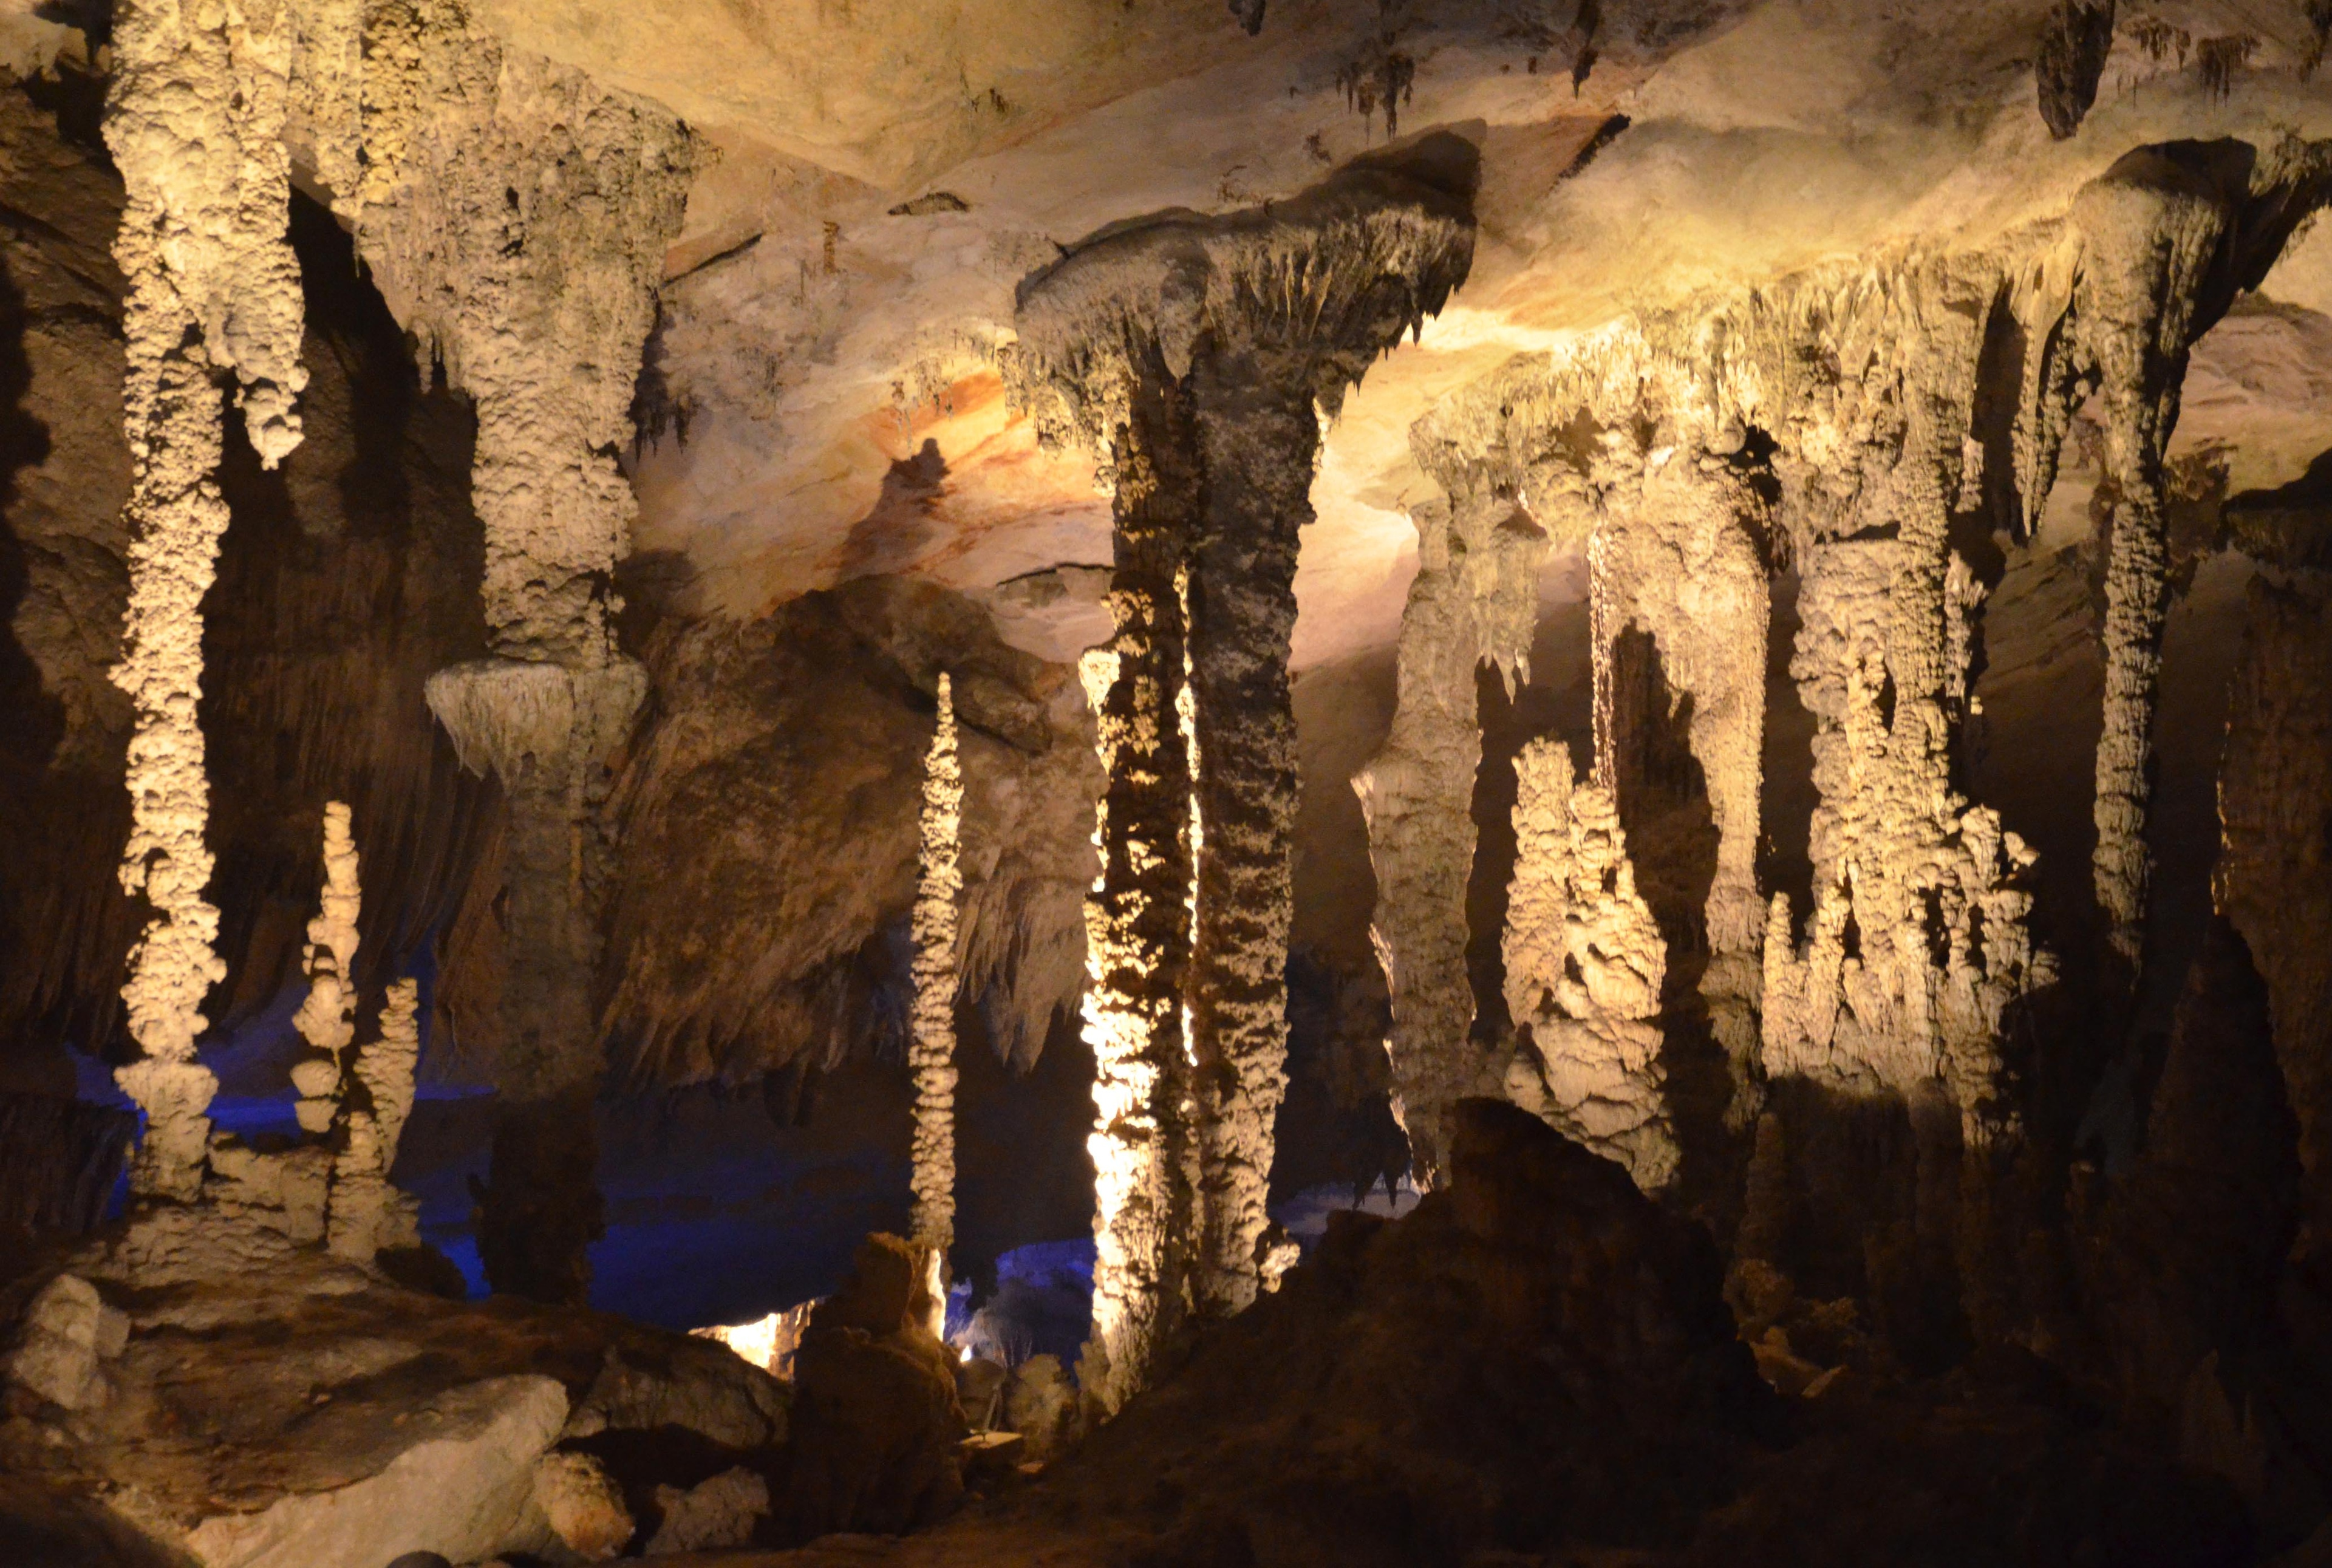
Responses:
[939,885]
[1681,553]
[1199,353]
[1258,442]
[1138,920]
[194,118]
[1475,598]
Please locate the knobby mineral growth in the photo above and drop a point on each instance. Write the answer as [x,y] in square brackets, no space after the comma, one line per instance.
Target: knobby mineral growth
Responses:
[1679,554]
[368,1214]
[932,1043]
[1584,964]
[327,1018]
[2151,256]
[1195,353]
[1475,600]
[1863,380]
[193,117]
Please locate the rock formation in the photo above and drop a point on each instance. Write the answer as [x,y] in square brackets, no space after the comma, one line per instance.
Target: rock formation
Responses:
[1584,964]
[931,1053]
[2151,255]
[368,1214]
[515,216]
[1194,353]
[196,114]
[1475,600]
[327,1018]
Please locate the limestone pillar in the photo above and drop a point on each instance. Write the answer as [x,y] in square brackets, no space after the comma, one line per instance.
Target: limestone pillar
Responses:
[1475,598]
[193,117]
[1680,555]
[545,730]
[1195,352]
[932,1042]
[1138,921]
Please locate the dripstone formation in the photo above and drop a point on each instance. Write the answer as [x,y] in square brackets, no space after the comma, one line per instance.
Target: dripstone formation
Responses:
[1196,354]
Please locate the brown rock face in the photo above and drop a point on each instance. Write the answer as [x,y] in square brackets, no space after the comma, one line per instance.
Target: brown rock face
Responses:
[1537,1353]
[875,1420]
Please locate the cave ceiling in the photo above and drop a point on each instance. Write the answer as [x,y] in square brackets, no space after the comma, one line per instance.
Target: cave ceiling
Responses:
[827,393]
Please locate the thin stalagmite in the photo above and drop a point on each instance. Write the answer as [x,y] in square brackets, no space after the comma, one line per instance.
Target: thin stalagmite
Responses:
[932,1040]
[327,1018]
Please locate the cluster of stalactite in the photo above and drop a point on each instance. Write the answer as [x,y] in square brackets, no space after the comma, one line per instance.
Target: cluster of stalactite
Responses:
[515,217]
[1839,419]
[931,1049]
[1195,355]
[1584,965]
[1473,600]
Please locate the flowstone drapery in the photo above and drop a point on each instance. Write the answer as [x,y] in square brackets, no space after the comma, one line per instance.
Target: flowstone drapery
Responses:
[194,118]
[1584,963]
[1194,353]
[1473,600]
[932,1039]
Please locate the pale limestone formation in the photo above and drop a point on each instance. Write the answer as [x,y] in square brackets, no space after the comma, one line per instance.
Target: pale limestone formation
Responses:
[1584,965]
[327,1018]
[932,1040]
[2150,257]
[1865,378]
[367,1213]
[1473,600]
[1195,354]
[194,111]
[1681,553]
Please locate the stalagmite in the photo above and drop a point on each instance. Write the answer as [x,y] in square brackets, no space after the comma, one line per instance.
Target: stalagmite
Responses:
[932,1043]
[1584,964]
[1194,353]
[327,1018]
[1680,554]
[367,1213]
[1475,599]
[195,113]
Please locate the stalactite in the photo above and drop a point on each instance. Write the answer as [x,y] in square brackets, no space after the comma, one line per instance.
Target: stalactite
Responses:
[1194,352]
[932,1043]
[1475,599]
[1584,965]
[195,115]
[327,1018]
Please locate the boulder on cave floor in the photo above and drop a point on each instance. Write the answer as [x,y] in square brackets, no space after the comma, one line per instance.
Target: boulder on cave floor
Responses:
[318,1416]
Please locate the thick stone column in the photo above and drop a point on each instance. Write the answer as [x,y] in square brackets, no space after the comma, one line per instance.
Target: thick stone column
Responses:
[1196,351]
[1138,921]
[1475,598]
[194,118]
[546,729]
[1680,554]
